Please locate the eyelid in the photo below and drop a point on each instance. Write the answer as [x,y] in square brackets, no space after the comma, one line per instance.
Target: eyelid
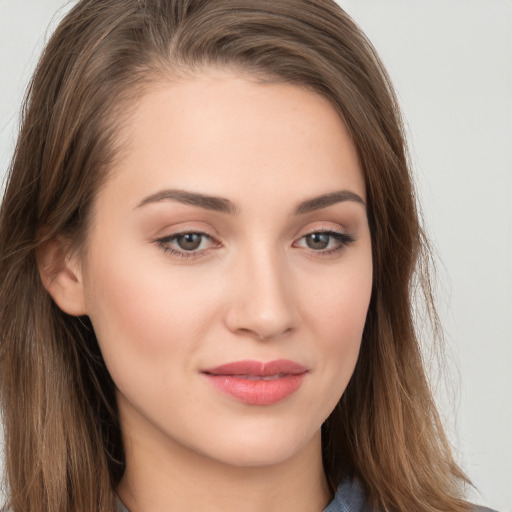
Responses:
[334,230]
[346,237]
[164,243]
[343,237]
[322,227]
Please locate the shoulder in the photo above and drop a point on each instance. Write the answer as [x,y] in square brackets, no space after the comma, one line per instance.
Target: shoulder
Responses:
[350,497]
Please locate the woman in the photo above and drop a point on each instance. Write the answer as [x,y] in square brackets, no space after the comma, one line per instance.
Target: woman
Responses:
[209,243]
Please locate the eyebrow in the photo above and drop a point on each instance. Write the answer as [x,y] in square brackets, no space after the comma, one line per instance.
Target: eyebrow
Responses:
[218,204]
[326,200]
[223,205]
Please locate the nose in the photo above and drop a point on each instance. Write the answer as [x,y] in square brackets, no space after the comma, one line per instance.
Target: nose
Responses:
[261,304]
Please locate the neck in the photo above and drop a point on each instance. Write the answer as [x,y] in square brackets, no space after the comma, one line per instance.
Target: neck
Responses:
[161,477]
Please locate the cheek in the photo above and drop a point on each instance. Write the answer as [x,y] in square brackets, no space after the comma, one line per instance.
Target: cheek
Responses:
[337,313]
[145,317]
[339,303]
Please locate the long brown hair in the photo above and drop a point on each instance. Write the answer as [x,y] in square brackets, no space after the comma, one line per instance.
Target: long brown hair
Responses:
[62,436]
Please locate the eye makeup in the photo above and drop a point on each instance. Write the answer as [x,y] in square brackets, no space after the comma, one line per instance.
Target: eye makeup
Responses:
[194,244]
[326,242]
[187,244]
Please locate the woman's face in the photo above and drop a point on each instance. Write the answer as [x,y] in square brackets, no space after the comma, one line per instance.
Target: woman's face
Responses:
[228,268]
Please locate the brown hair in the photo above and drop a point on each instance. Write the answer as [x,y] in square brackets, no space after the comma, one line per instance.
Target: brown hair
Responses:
[63,443]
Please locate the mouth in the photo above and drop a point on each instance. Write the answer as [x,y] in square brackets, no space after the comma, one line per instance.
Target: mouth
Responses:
[256,382]
[261,377]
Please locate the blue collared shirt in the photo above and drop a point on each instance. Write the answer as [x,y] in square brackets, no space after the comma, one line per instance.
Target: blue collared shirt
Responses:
[349,497]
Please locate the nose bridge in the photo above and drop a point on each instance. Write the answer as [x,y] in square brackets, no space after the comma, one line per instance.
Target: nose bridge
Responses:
[262,302]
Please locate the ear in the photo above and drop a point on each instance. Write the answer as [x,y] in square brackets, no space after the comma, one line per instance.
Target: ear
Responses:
[61,275]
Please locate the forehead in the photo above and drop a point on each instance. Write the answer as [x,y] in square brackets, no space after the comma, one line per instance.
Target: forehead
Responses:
[224,134]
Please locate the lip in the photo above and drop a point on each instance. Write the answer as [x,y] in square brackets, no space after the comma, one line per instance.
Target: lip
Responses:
[257,382]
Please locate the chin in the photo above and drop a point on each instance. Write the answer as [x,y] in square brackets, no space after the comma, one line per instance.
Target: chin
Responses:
[261,450]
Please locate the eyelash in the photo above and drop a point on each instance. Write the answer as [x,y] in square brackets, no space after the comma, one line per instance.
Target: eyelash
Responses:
[164,242]
[344,239]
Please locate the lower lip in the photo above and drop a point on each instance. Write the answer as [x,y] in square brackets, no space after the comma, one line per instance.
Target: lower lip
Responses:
[259,391]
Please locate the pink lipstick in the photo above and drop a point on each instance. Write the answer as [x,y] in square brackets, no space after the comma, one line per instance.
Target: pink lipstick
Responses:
[256,382]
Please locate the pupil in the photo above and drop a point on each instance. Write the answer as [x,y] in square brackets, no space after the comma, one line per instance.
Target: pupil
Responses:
[189,241]
[317,240]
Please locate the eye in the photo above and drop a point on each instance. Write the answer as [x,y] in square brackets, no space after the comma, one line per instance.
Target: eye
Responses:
[189,241]
[325,242]
[186,245]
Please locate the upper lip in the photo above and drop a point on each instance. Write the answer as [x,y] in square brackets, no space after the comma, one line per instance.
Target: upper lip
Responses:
[258,368]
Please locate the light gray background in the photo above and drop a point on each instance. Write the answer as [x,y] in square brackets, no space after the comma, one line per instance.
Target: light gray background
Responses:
[451,62]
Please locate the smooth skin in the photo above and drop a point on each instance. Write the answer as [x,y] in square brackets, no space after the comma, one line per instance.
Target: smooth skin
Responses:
[175,284]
